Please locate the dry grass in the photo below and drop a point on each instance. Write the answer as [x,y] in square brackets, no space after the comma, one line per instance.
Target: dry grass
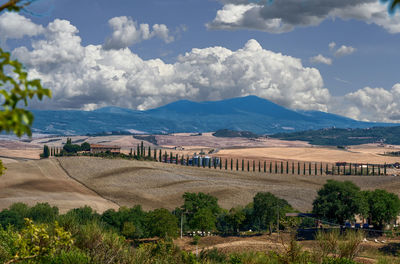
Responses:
[32,182]
[155,185]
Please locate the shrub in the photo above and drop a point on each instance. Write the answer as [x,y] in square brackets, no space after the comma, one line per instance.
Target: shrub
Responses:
[162,223]
[73,256]
[213,255]
[7,244]
[43,213]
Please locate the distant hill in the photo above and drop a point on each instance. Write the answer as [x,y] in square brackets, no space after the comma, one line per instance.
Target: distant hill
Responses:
[231,133]
[249,113]
[343,137]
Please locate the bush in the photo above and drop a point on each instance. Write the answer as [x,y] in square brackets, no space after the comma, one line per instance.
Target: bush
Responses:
[213,255]
[73,256]
[43,213]
[7,244]
[103,246]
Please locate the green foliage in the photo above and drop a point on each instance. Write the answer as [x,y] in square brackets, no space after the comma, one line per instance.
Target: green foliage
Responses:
[162,223]
[16,88]
[73,256]
[345,137]
[85,146]
[46,152]
[43,213]
[337,201]
[382,207]
[38,241]
[203,220]
[7,244]
[266,208]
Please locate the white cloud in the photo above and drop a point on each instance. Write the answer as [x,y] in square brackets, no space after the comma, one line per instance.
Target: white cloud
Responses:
[370,104]
[84,77]
[87,77]
[127,32]
[332,45]
[321,59]
[344,50]
[284,16]
[15,26]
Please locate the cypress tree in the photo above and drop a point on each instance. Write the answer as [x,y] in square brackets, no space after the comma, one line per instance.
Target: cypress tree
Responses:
[287,167]
[242,164]
[321,170]
[198,161]
[316,169]
[276,167]
[326,169]
[138,151]
[362,172]
[155,155]
[209,163]
[259,166]
[384,169]
[166,157]
[298,168]
[46,151]
[248,165]
[379,169]
[373,169]
[237,164]
[226,164]
[220,163]
[149,152]
[270,167]
[292,167]
[355,169]
[141,149]
[281,167]
[254,165]
[309,168]
[350,168]
[160,156]
[304,168]
[367,169]
[187,160]
[265,166]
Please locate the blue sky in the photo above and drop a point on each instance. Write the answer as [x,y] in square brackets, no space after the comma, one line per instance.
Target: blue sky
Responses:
[359,80]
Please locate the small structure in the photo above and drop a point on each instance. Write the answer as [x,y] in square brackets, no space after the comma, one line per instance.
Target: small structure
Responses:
[97,148]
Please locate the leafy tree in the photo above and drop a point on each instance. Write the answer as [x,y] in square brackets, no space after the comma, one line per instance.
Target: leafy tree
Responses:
[162,223]
[337,201]
[382,207]
[203,219]
[86,147]
[43,213]
[266,208]
[193,202]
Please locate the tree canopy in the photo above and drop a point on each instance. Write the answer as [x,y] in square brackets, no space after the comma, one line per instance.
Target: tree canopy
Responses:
[337,201]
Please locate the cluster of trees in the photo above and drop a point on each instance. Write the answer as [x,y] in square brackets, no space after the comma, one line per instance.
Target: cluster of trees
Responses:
[345,137]
[41,233]
[68,149]
[340,201]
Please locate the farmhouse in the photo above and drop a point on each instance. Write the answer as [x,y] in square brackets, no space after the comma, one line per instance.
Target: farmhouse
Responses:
[96,148]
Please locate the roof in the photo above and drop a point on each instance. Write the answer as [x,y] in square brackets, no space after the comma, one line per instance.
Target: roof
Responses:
[104,146]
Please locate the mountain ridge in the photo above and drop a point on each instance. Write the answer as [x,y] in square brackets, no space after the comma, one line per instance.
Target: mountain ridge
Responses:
[250,113]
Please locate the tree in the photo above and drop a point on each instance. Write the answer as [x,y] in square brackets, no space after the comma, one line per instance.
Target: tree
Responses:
[162,223]
[266,208]
[86,147]
[381,208]
[46,152]
[194,203]
[337,201]
[204,220]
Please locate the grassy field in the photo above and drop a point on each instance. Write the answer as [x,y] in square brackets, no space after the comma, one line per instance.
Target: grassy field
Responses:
[40,181]
[155,185]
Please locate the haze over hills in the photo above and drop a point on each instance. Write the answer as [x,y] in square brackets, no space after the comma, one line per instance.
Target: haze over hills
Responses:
[248,113]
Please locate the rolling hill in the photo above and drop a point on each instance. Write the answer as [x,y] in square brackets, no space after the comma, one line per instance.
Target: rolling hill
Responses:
[248,113]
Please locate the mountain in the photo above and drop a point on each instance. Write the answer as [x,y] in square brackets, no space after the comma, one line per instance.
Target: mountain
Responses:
[249,113]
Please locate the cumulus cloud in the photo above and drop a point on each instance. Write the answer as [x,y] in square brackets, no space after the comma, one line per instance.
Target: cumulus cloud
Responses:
[127,32]
[332,45]
[321,59]
[85,77]
[284,16]
[15,26]
[344,50]
[370,104]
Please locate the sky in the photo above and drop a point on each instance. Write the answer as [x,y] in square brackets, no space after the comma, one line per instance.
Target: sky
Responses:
[338,56]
